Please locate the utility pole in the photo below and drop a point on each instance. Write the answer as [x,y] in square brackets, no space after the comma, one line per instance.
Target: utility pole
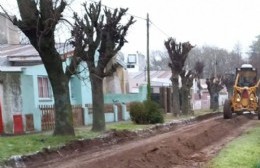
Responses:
[148,62]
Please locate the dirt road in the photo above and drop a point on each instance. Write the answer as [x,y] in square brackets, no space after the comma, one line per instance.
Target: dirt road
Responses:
[190,145]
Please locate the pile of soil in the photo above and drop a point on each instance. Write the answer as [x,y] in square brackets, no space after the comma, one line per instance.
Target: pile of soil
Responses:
[187,143]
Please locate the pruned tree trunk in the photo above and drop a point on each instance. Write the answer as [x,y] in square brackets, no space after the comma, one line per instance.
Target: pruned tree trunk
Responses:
[214,87]
[98,103]
[185,100]
[59,82]
[187,82]
[63,118]
[229,81]
[175,95]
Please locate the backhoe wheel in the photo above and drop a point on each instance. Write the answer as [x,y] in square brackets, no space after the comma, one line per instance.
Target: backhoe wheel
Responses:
[227,113]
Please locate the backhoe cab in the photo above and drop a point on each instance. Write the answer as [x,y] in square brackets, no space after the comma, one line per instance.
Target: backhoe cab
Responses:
[245,95]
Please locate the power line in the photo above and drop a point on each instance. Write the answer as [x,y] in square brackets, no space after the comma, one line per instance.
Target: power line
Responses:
[157,27]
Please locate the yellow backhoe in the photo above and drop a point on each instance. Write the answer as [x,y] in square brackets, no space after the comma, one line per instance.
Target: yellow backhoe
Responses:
[245,96]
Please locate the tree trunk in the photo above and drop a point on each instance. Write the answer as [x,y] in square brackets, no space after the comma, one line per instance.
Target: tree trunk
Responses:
[185,104]
[59,82]
[175,95]
[230,92]
[63,109]
[98,103]
[215,101]
[215,88]
[187,82]
[211,101]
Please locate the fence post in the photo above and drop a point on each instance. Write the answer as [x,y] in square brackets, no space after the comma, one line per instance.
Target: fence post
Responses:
[169,99]
[115,108]
[124,112]
[88,114]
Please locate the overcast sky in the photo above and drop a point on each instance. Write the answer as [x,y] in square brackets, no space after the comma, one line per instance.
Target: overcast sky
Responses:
[219,23]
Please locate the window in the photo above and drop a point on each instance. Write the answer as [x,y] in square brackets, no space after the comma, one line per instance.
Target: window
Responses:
[131,58]
[44,87]
[130,66]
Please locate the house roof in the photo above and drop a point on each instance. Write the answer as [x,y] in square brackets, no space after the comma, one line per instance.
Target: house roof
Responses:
[157,78]
[26,52]
[121,63]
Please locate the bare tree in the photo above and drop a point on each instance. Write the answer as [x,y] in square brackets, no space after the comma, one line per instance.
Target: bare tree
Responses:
[97,40]
[38,22]
[178,53]
[159,61]
[216,61]
[198,68]
[229,81]
[214,87]
[254,54]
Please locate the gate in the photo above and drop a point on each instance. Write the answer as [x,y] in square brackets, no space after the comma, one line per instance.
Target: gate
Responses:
[78,115]
[48,116]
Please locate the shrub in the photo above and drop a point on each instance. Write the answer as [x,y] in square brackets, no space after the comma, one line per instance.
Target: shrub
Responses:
[154,114]
[137,113]
[257,165]
[145,113]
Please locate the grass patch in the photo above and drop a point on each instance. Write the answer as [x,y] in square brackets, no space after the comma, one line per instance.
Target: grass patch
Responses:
[24,144]
[126,125]
[243,152]
[169,116]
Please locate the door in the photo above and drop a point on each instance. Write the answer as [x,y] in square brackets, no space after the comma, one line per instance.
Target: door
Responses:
[18,124]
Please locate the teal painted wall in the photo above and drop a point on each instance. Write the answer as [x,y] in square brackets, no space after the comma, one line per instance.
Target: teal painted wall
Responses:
[29,100]
[127,98]
[75,90]
[35,71]
[80,92]
[81,88]
[30,88]
[86,93]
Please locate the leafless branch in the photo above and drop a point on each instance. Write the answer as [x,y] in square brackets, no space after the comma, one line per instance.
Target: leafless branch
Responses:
[6,14]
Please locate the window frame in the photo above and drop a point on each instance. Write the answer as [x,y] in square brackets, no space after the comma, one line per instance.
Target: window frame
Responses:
[44,88]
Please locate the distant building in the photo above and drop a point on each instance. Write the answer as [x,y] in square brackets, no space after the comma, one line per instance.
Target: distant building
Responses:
[9,34]
[158,79]
[136,62]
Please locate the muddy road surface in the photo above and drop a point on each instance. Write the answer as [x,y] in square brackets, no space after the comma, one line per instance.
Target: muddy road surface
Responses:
[191,144]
